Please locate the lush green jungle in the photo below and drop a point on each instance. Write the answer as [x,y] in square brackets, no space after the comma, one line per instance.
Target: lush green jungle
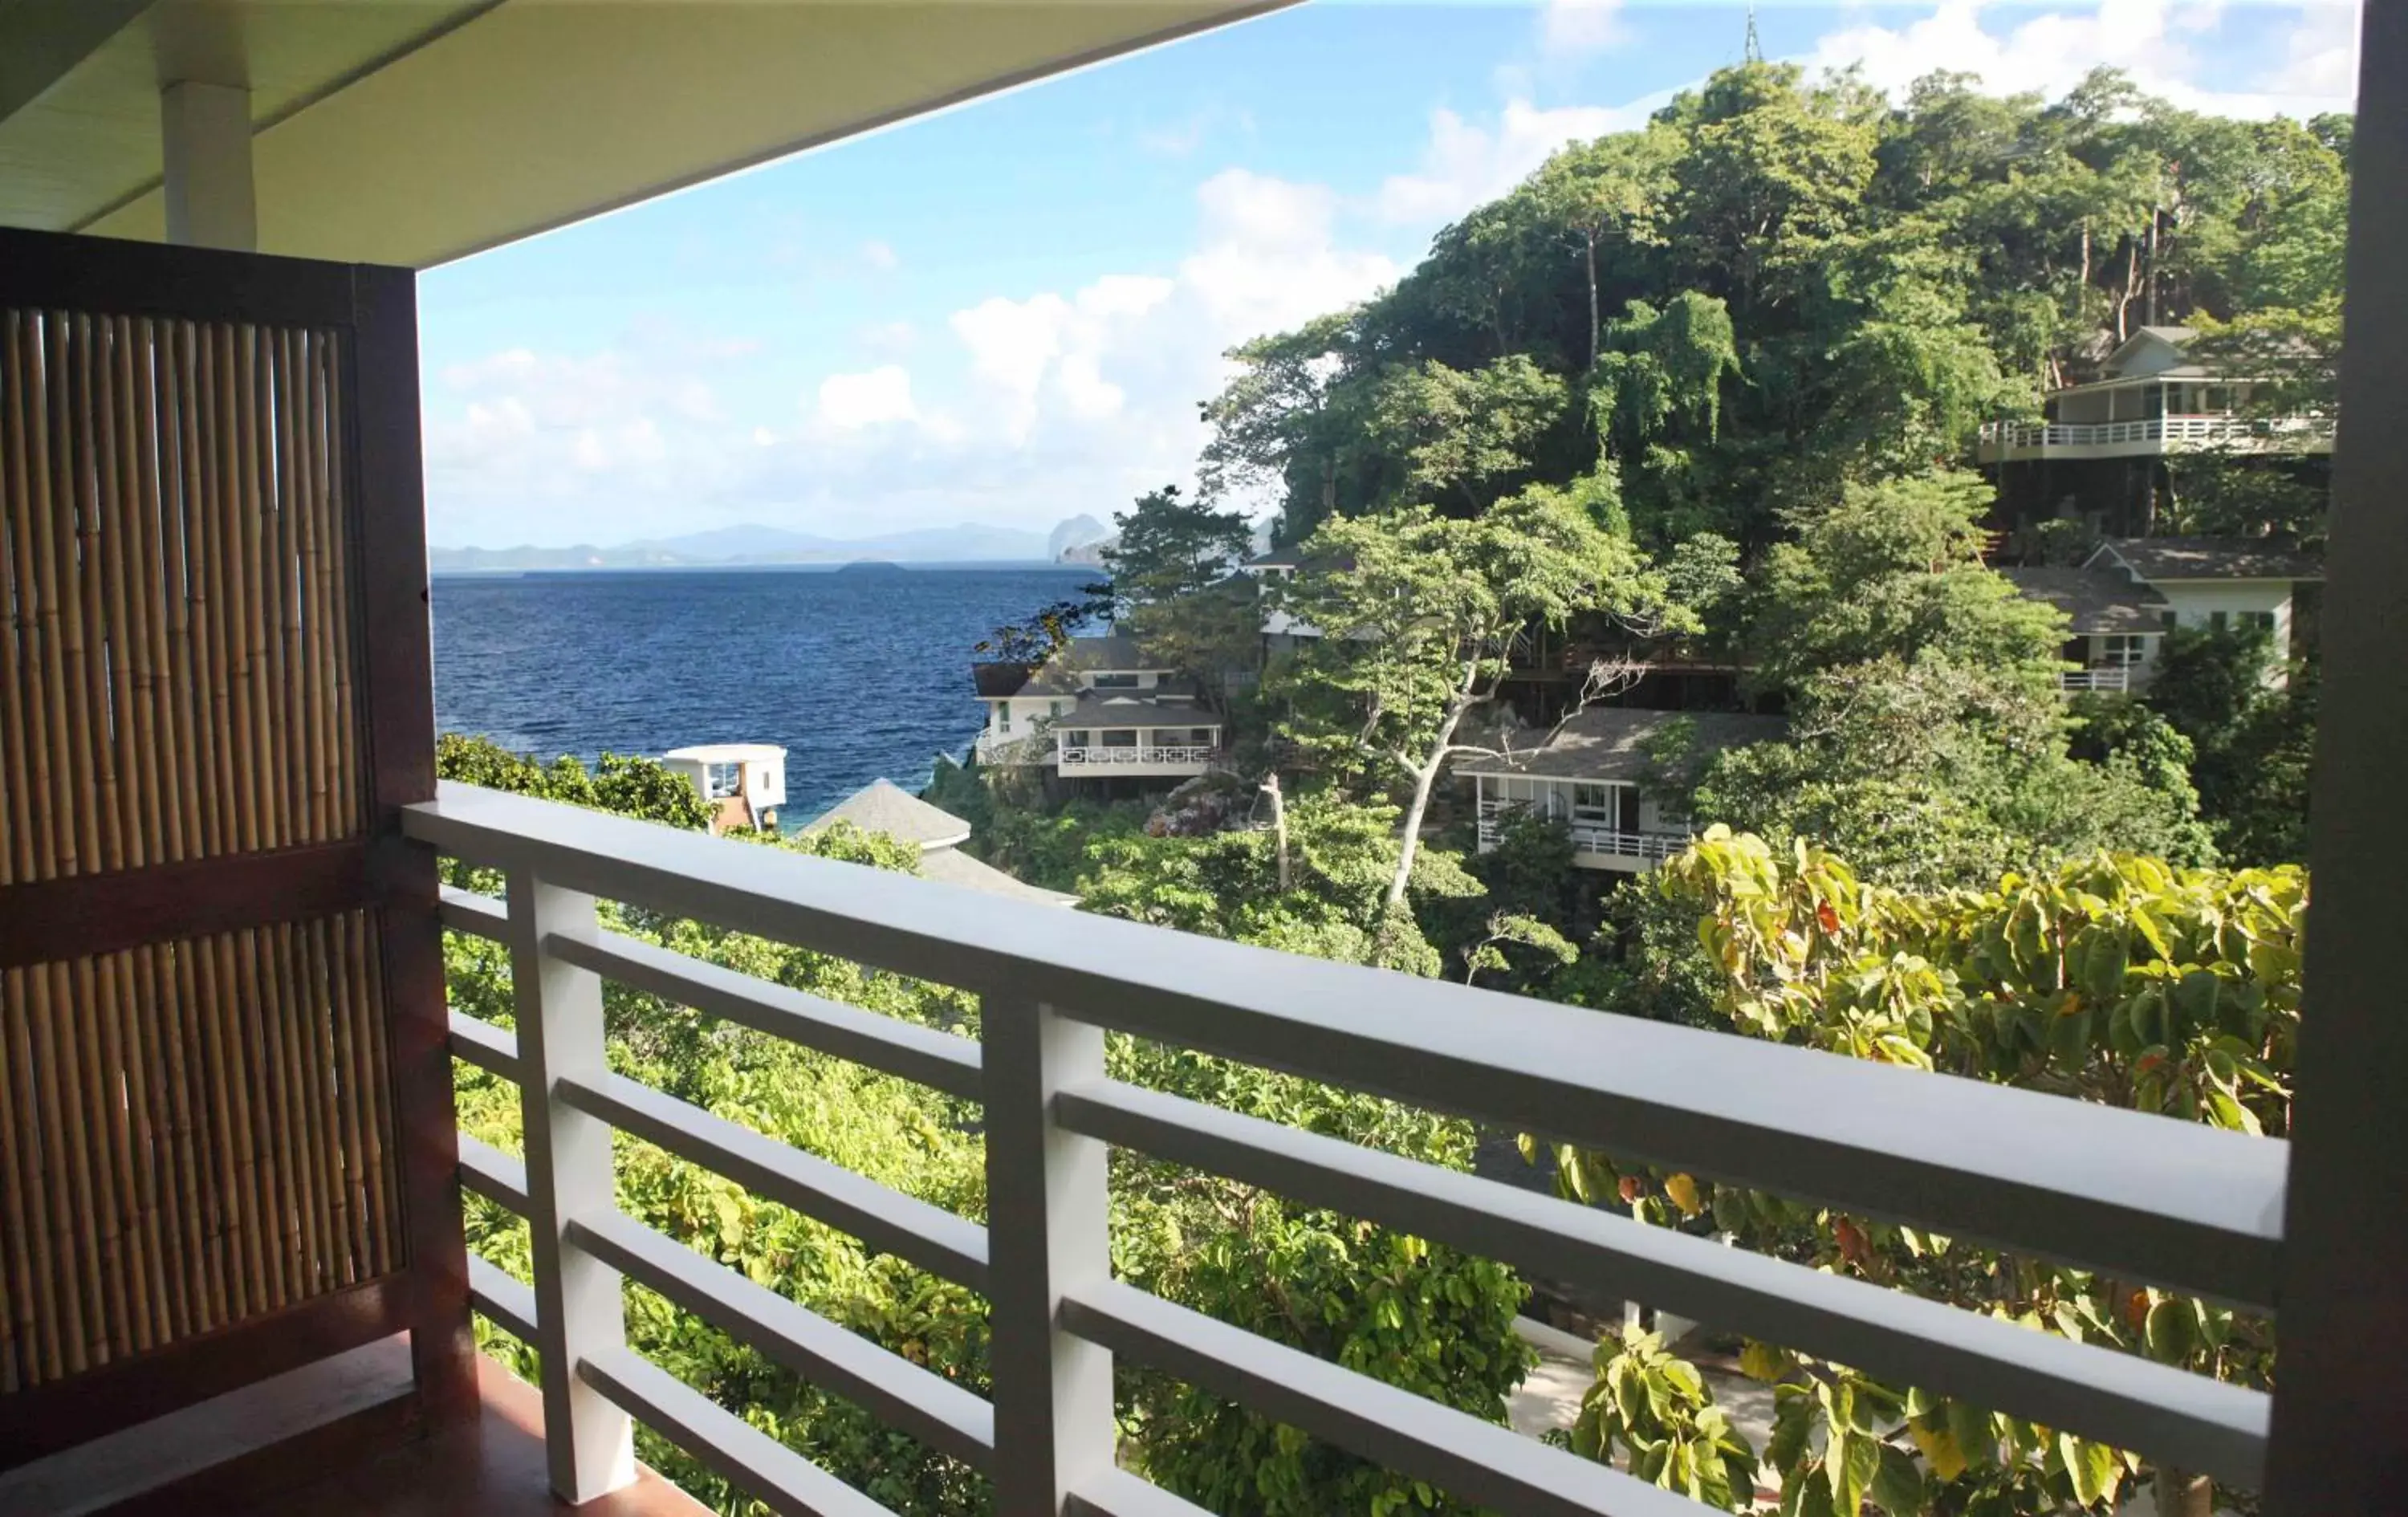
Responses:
[1706,389]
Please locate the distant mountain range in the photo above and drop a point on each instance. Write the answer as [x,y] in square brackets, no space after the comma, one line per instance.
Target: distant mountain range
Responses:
[749,544]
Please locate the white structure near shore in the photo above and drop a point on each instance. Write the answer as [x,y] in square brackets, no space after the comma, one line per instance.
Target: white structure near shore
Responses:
[744,783]
[1098,708]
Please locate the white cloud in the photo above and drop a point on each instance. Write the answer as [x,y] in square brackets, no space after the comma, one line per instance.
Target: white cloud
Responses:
[1050,349]
[850,402]
[1467,164]
[2158,42]
[1268,257]
[880,256]
[1574,28]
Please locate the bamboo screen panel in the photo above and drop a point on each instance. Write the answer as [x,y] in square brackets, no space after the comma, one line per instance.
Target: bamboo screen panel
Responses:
[192,1133]
[177,678]
[197,1134]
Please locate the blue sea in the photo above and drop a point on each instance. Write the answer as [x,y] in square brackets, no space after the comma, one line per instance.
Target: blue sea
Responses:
[858,674]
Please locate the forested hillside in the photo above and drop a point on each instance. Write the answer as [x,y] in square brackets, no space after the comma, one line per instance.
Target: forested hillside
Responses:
[1779,288]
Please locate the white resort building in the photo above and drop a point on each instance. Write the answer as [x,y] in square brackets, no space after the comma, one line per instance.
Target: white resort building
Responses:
[2152,399]
[884,806]
[2131,591]
[744,783]
[1591,774]
[1098,708]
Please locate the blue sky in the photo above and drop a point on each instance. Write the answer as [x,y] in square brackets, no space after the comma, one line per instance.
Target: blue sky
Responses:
[1006,313]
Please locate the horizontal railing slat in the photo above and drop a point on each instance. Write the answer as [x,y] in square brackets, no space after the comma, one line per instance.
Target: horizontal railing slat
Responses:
[1481,1463]
[478,916]
[2117,1398]
[886,1220]
[920,1402]
[494,1175]
[759,1464]
[1116,1492]
[2180,1206]
[509,1303]
[941,1060]
[485,1045]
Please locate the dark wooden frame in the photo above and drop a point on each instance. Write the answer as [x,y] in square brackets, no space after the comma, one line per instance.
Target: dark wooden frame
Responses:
[2339,1439]
[382,483]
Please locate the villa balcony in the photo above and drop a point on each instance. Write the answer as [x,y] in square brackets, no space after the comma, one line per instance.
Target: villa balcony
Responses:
[1596,846]
[2010,442]
[2100,678]
[1138,759]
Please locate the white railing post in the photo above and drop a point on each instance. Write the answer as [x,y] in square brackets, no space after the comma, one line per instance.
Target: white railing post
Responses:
[1048,1233]
[588,1442]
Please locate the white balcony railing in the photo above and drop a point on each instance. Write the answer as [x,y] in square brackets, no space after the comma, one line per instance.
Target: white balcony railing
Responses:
[2117,678]
[2177,432]
[2183,1207]
[1593,838]
[1129,758]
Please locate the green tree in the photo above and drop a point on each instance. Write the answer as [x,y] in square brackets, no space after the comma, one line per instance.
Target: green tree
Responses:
[1895,571]
[1464,436]
[1418,613]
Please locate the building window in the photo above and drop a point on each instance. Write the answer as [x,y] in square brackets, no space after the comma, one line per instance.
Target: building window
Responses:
[719,780]
[2261,621]
[2122,650]
[1120,739]
[1003,715]
[1116,681]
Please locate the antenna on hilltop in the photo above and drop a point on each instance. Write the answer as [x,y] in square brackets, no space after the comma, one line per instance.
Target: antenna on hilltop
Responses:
[1755,48]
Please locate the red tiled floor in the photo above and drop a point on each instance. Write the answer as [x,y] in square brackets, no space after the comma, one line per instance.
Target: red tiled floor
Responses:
[495,1468]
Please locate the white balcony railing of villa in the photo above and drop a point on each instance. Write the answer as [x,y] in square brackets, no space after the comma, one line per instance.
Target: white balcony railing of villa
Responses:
[1590,838]
[2178,431]
[2117,678]
[1136,757]
[2183,1207]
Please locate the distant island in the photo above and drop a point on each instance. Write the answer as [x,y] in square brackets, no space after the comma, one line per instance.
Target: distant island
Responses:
[750,544]
[871,566]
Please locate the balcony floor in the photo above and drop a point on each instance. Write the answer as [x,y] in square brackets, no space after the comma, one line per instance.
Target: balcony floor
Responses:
[493,1469]
[334,1440]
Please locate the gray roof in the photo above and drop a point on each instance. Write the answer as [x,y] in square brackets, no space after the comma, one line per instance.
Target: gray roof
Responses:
[1609,742]
[2208,558]
[882,806]
[2095,601]
[1137,709]
[1060,674]
[951,867]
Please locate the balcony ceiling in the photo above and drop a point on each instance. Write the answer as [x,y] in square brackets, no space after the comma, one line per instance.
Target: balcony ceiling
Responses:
[413,132]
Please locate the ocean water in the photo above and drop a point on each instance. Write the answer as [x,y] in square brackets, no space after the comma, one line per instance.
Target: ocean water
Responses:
[859,675]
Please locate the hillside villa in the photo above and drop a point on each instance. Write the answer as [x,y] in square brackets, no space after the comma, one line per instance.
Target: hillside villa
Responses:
[2099,453]
[745,784]
[1098,708]
[1592,774]
[2131,591]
